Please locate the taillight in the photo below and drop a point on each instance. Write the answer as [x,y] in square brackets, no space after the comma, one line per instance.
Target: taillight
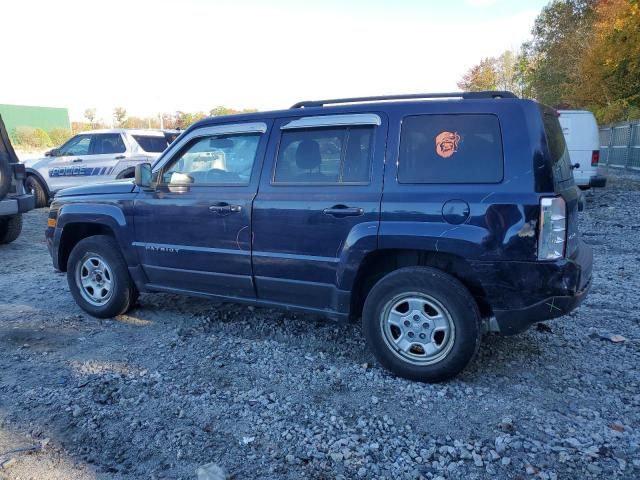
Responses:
[595,158]
[552,236]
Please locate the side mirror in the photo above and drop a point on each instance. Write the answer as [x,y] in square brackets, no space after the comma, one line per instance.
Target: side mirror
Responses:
[180,178]
[143,175]
[52,153]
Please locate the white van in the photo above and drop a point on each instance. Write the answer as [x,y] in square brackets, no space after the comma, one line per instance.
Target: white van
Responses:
[581,133]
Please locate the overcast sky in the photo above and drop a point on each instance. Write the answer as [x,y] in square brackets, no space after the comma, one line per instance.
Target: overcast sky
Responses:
[168,55]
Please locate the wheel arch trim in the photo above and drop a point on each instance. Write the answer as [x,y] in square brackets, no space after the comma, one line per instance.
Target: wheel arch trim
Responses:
[38,175]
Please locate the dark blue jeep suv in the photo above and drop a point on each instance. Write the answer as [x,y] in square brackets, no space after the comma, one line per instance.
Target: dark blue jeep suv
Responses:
[433,218]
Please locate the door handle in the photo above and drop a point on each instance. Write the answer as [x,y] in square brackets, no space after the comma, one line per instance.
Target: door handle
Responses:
[343,211]
[76,160]
[224,207]
[120,157]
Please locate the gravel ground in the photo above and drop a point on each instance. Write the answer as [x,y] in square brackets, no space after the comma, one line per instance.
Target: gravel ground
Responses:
[182,382]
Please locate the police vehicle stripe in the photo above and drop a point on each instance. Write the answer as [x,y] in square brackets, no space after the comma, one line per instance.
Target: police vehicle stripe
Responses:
[78,171]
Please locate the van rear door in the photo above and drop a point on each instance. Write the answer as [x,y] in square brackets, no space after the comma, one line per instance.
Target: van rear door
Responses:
[580,131]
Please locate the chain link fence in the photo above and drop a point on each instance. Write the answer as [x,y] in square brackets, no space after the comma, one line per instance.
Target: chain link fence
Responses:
[620,145]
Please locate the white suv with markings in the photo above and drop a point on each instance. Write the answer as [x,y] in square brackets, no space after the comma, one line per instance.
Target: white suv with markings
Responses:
[93,156]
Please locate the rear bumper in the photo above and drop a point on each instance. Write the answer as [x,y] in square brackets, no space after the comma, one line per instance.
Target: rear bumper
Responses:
[512,322]
[523,293]
[17,204]
[597,181]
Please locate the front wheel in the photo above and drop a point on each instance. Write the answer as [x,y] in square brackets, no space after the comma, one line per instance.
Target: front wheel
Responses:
[99,279]
[33,185]
[421,324]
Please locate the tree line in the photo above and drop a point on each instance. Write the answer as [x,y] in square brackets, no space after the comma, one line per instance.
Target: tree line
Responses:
[38,139]
[584,54]
[176,120]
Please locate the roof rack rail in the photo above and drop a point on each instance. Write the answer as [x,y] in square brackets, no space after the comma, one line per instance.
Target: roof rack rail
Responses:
[382,98]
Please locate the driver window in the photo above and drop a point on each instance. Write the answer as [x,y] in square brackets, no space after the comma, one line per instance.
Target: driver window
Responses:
[76,146]
[214,160]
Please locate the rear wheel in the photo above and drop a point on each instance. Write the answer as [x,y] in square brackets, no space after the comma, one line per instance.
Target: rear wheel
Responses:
[421,324]
[99,279]
[33,185]
[10,228]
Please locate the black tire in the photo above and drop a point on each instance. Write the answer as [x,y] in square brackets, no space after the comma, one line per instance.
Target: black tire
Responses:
[123,293]
[5,176]
[127,173]
[460,338]
[10,229]
[33,185]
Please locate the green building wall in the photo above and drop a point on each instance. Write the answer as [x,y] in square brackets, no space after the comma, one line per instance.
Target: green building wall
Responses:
[46,118]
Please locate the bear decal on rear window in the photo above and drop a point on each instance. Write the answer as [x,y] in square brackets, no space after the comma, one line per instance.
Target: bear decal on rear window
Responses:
[447,143]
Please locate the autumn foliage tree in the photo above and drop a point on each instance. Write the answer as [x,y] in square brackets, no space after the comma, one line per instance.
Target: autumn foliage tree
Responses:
[610,68]
[583,54]
[483,76]
[495,73]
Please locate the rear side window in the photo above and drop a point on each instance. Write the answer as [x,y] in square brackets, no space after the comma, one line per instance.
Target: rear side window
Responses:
[151,143]
[450,149]
[108,143]
[559,155]
[325,155]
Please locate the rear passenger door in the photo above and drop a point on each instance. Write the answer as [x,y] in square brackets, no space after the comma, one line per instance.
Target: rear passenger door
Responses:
[107,150]
[317,208]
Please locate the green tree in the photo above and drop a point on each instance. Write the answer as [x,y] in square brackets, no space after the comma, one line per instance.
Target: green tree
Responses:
[523,71]
[184,119]
[561,33]
[119,115]
[90,114]
[60,135]
[220,110]
[505,66]
[29,137]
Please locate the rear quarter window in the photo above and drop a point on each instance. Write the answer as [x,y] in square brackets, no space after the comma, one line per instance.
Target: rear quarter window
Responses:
[450,149]
[151,143]
[557,149]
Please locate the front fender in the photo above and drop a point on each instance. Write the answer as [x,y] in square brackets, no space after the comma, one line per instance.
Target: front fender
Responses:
[38,175]
[112,217]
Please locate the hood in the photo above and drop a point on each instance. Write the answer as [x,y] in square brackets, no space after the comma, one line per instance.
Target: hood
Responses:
[33,162]
[118,186]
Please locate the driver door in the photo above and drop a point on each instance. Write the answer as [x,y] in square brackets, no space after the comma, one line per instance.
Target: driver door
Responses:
[67,168]
[193,230]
